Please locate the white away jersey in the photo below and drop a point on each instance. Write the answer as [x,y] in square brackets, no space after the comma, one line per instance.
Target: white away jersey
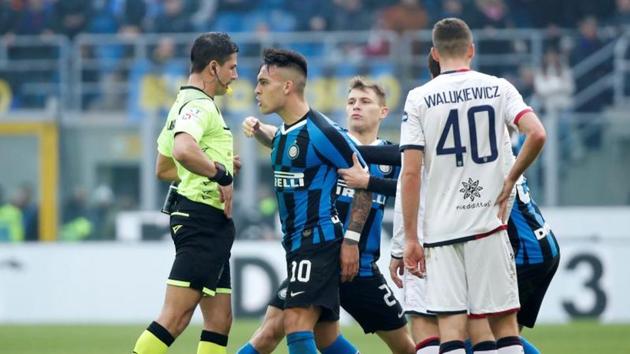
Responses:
[459,119]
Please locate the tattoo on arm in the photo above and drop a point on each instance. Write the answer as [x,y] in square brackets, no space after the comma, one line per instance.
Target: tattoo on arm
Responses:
[360,209]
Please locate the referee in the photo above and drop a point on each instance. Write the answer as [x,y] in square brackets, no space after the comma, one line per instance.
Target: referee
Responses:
[196,148]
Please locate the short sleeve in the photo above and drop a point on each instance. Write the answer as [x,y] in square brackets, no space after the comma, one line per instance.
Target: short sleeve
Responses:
[194,119]
[411,132]
[334,145]
[165,141]
[515,107]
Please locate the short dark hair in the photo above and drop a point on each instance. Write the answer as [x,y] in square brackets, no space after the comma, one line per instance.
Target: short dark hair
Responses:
[451,37]
[211,46]
[285,58]
[359,82]
[434,66]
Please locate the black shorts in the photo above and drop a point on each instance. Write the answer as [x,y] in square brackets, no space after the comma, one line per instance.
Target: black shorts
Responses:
[367,299]
[203,238]
[314,275]
[533,281]
[370,301]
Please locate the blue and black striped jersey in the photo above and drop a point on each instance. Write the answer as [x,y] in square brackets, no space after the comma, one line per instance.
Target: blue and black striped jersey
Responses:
[531,237]
[370,244]
[305,157]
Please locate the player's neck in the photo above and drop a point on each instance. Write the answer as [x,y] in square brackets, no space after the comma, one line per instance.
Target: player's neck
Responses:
[366,137]
[447,64]
[197,80]
[293,111]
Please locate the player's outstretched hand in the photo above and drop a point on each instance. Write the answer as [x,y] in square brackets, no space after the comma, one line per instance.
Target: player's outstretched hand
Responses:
[413,258]
[250,126]
[396,269]
[355,176]
[502,200]
[226,198]
[349,260]
[236,162]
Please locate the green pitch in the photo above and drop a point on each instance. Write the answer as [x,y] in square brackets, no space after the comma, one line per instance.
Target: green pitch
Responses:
[574,338]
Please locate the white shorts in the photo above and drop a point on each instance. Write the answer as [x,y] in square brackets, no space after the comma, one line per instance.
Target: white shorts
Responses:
[476,277]
[415,295]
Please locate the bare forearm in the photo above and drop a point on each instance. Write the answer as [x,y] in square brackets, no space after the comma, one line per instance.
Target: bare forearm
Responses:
[531,148]
[265,133]
[190,156]
[410,194]
[360,209]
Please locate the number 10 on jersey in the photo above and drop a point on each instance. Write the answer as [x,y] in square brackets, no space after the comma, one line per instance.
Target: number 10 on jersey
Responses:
[452,127]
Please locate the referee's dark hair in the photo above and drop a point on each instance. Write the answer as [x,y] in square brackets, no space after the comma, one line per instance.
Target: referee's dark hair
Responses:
[211,46]
[284,58]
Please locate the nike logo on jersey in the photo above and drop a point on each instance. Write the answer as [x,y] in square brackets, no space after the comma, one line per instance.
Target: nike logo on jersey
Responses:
[176,228]
[297,293]
[401,314]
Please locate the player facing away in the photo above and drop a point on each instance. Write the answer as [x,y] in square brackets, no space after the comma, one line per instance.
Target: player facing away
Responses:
[533,242]
[195,147]
[456,125]
[306,152]
[367,297]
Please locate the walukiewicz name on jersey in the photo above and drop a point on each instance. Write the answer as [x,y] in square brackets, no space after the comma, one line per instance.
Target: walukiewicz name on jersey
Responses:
[463,95]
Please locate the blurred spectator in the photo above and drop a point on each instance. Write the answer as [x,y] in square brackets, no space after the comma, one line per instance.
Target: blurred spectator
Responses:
[76,225]
[30,211]
[350,15]
[35,18]
[103,214]
[406,15]
[11,224]
[588,43]
[553,82]
[491,14]
[71,16]
[621,19]
[310,15]
[554,87]
[131,16]
[7,17]
[236,5]
[173,18]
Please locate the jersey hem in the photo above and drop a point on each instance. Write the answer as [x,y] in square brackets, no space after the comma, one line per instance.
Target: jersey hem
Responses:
[465,238]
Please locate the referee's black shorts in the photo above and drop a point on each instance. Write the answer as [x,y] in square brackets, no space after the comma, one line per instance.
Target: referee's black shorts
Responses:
[203,238]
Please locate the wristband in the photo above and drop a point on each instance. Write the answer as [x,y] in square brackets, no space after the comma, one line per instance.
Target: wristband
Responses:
[352,235]
[396,257]
[222,177]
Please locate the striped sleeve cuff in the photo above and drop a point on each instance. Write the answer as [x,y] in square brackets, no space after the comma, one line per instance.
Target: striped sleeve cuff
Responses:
[411,147]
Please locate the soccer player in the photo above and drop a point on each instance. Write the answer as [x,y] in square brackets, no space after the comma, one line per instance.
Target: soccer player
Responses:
[536,250]
[367,298]
[306,152]
[456,125]
[195,147]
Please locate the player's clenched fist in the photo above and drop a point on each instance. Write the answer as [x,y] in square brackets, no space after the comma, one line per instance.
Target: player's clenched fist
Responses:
[250,126]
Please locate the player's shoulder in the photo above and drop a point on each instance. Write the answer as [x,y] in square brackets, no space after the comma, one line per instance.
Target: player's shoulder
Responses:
[320,121]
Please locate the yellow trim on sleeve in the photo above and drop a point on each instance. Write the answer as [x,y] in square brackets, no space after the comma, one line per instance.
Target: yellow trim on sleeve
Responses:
[180,214]
[224,291]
